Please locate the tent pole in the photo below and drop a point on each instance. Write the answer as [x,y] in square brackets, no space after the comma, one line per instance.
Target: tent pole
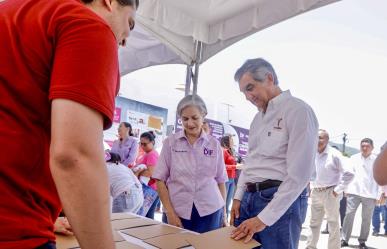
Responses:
[198,58]
[188,79]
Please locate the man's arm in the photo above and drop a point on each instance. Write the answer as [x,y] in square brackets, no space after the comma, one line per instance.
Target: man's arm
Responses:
[380,167]
[347,174]
[79,171]
[132,154]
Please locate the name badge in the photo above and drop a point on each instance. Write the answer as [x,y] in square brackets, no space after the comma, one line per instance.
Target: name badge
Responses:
[180,151]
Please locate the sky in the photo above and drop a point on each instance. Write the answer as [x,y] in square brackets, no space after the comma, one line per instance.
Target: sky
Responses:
[334,58]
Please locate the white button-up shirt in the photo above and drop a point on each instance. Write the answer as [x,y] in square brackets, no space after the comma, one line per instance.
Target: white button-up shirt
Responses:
[364,184]
[282,146]
[332,170]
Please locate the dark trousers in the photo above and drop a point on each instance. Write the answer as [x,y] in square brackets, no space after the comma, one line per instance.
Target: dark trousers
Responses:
[230,189]
[201,224]
[379,210]
[343,208]
[48,245]
[152,209]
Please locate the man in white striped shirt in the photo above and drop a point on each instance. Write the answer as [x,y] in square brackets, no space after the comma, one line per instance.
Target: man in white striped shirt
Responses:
[332,178]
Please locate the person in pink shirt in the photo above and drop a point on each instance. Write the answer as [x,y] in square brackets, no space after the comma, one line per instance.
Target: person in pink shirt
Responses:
[191,174]
[146,164]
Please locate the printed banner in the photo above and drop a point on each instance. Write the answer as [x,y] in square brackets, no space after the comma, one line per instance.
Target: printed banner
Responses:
[142,117]
[217,129]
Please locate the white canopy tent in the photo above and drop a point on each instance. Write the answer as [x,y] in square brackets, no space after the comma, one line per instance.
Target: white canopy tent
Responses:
[190,32]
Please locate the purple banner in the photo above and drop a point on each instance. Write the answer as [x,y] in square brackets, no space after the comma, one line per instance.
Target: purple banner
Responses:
[243,136]
[217,129]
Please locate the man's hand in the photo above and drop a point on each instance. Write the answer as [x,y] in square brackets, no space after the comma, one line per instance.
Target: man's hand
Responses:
[236,205]
[62,226]
[381,200]
[174,220]
[247,229]
[335,194]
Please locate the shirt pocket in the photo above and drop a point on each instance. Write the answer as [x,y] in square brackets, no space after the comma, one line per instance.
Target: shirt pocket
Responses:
[207,165]
[274,143]
[180,163]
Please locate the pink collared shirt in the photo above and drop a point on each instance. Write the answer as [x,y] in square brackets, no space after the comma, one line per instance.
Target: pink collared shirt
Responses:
[192,173]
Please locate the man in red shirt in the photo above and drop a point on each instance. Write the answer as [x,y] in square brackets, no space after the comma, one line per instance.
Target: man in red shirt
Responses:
[58,80]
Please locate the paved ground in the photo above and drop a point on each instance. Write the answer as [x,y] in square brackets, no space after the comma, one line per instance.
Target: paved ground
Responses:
[373,242]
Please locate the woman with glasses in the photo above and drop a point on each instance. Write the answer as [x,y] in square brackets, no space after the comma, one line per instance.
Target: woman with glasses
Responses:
[145,166]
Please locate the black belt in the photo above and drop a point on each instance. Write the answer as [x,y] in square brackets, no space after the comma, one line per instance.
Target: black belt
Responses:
[253,187]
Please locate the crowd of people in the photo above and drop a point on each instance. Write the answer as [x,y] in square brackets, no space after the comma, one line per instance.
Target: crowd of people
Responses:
[338,188]
[62,98]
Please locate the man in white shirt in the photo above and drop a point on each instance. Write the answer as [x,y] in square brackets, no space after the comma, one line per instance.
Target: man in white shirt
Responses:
[332,178]
[362,190]
[270,201]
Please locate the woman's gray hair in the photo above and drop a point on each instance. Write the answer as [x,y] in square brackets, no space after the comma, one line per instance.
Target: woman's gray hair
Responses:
[191,100]
[258,68]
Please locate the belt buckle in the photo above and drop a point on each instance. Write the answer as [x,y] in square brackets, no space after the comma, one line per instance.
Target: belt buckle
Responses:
[251,187]
[257,187]
[321,189]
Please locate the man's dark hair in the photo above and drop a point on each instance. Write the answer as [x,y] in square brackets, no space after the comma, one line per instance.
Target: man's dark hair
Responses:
[122,2]
[368,141]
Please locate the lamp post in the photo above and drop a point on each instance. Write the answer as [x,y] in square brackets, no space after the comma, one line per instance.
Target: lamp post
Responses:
[345,140]
[228,111]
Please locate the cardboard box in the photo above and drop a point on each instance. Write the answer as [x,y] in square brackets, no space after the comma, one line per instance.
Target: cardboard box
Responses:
[171,241]
[130,223]
[122,216]
[151,231]
[219,239]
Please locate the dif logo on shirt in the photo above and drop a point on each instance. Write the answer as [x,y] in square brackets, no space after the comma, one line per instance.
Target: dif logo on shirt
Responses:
[208,152]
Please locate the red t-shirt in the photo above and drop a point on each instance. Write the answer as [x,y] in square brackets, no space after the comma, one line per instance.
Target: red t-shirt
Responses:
[48,49]
[230,163]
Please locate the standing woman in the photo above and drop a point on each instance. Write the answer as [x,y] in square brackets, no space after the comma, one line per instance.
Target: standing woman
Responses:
[148,160]
[227,144]
[191,173]
[126,146]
